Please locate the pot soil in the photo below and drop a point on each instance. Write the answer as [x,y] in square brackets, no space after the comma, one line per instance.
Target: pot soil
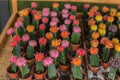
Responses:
[12,74]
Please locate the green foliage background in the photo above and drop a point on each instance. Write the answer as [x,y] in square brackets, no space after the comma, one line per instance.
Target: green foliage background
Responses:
[25,4]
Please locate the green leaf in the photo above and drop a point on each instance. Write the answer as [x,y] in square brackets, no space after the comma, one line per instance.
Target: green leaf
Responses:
[77,72]
[24,70]
[39,66]
[112,73]
[51,71]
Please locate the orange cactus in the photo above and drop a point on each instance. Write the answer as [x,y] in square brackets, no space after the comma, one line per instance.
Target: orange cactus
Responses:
[95,35]
[49,35]
[55,5]
[30,28]
[76,61]
[54,29]
[64,34]
[94,43]
[93,50]
[55,42]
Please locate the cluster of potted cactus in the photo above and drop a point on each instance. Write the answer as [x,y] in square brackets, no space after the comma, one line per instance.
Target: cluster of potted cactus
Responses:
[43,41]
[103,39]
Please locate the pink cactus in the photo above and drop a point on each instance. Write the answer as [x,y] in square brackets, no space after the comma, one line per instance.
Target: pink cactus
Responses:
[54,53]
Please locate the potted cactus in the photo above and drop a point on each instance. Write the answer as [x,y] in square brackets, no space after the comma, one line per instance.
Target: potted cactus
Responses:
[24,69]
[52,72]
[42,42]
[30,52]
[75,38]
[62,59]
[114,66]
[13,70]
[15,43]
[94,60]
[76,68]
[106,51]
[39,70]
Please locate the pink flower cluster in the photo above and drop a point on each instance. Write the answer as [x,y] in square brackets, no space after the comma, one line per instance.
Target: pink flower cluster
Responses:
[25,37]
[21,61]
[62,27]
[13,59]
[65,43]
[54,53]
[80,52]
[48,61]
[42,41]
[10,31]
[18,24]
[77,29]
[34,5]
[67,6]
[42,26]
[32,43]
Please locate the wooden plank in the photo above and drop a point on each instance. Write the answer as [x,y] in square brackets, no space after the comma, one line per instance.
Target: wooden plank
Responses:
[14,6]
[9,24]
[86,1]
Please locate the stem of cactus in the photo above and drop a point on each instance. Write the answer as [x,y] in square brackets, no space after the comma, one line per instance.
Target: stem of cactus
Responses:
[62,58]
[41,33]
[35,23]
[32,36]
[75,38]
[105,54]
[42,48]
[26,22]
[110,35]
[30,52]
[17,50]
[21,31]
[117,54]
[94,60]
[112,73]
[14,68]
[39,66]
[24,70]
[77,72]
[51,71]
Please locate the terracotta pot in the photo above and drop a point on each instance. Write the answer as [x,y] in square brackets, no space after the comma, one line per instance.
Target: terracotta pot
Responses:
[105,65]
[28,78]
[94,69]
[31,62]
[74,47]
[12,75]
[64,68]
[39,76]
